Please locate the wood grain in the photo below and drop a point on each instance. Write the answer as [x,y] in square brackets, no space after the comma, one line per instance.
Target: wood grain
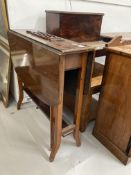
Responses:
[113,116]
[73,25]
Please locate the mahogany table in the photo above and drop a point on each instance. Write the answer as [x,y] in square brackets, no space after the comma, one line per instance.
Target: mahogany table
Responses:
[40,66]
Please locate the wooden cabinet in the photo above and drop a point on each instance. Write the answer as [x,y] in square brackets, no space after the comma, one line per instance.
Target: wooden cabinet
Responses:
[113,123]
[77,26]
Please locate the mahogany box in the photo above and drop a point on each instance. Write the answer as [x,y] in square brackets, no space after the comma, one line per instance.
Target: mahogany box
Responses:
[76,26]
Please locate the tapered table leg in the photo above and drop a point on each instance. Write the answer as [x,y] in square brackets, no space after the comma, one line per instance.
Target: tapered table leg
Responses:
[56,113]
[52,127]
[79,99]
[57,131]
[87,91]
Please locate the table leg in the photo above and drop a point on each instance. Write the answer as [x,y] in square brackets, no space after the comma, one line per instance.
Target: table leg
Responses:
[87,91]
[79,99]
[21,93]
[52,127]
[57,130]
[56,113]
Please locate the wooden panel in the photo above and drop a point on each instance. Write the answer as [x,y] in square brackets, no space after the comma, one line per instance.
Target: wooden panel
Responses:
[113,148]
[36,65]
[113,119]
[60,46]
[75,26]
[73,61]
[80,27]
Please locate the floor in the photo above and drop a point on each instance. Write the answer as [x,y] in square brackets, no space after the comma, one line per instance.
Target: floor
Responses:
[24,148]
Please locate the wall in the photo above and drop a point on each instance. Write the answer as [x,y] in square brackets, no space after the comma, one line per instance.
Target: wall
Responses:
[30,14]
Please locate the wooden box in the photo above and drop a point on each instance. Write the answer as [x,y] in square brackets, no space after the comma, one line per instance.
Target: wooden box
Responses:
[77,26]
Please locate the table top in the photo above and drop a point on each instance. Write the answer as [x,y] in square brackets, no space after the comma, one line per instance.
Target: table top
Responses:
[122,50]
[63,46]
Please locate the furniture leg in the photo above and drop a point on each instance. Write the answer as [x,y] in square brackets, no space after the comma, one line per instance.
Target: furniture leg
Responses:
[52,127]
[57,112]
[57,131]
[79,99]
[85,111]
[87,91]
[21,93]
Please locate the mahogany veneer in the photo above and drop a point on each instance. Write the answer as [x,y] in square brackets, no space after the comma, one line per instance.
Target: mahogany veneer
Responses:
[40,66]
[76,26]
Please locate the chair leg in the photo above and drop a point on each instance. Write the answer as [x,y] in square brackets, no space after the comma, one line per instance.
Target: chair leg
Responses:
[21,93]
[85,111]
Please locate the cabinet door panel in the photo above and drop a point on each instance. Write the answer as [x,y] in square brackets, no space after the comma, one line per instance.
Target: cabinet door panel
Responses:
[114,114]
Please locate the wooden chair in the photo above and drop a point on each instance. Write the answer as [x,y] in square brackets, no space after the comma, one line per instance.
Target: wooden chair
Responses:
[94,86]
[93,81]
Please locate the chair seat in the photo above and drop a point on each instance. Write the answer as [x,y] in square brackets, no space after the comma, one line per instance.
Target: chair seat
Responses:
[97,76]
[97,70]
[71,78]
[96,81]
